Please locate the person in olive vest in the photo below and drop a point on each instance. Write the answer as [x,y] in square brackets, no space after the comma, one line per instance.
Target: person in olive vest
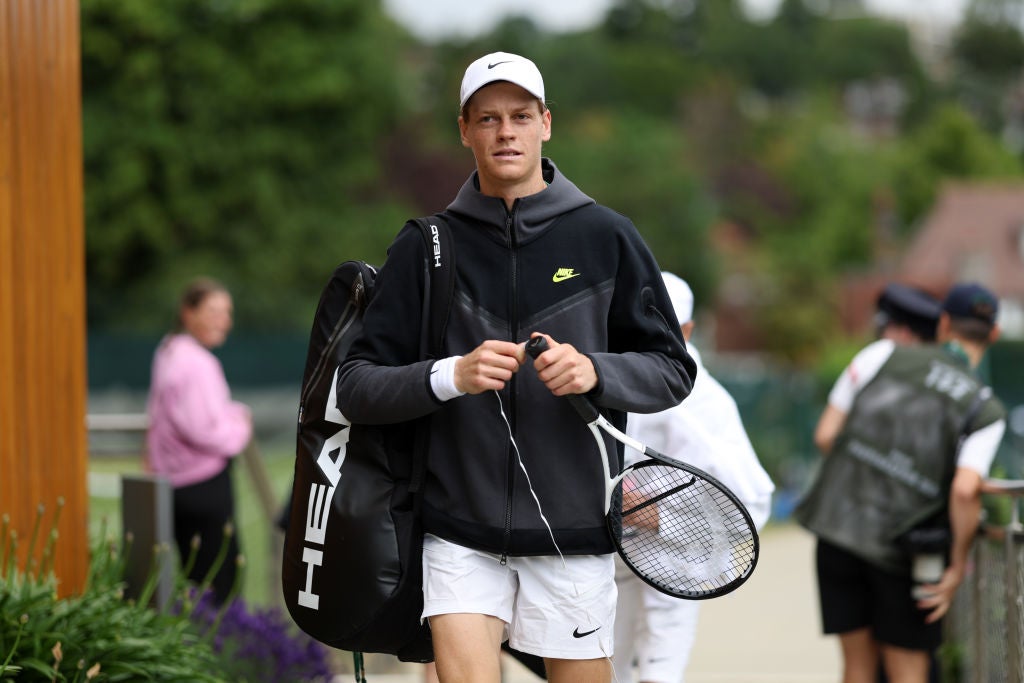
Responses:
[909,433]
[906,314]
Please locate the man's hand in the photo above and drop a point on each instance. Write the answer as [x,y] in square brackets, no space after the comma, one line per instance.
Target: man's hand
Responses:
[646,517]
[563,369]
[939,596]
[488,366]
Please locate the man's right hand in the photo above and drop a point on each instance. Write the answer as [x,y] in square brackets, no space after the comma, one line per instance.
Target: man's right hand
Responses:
[488,366]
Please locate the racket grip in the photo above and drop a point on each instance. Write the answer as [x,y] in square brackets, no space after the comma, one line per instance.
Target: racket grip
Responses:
[538,345]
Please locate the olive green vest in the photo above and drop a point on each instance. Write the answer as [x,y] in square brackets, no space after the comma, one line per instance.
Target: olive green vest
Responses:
[893,462]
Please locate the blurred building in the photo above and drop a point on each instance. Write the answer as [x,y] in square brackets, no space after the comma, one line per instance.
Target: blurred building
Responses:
[974,232]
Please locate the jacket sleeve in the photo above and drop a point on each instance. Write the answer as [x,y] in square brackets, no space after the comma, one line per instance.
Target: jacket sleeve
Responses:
[647,367]
[383,379]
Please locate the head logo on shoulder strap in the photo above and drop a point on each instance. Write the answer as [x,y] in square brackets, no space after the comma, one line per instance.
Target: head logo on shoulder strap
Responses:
[435,239]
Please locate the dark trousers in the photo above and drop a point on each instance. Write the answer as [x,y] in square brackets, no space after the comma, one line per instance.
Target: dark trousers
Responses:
[201,511]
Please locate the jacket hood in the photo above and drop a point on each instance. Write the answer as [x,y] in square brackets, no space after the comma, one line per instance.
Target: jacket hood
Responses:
[534,213]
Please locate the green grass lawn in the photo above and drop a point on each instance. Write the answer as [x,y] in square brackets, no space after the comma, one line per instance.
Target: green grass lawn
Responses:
[258,536]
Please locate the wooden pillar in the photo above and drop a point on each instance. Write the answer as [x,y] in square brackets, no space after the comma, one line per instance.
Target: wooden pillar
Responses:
[43,451]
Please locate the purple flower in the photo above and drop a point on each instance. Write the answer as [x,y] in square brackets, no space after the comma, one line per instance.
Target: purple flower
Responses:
[262,645]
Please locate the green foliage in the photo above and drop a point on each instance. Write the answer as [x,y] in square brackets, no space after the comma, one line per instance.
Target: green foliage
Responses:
[98,635]
[637,166]
[950,144]
[237,139]
[993,48]
[262,141]
[864,49]
[102,635]
[835,189]
[988,49]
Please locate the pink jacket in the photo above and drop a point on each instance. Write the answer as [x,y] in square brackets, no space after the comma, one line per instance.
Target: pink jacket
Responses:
[194,426]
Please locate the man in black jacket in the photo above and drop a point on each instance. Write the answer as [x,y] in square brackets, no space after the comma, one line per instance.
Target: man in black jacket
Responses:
[513,510]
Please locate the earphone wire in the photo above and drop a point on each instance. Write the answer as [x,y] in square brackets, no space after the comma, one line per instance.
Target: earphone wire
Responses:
[547,525]
[529,484]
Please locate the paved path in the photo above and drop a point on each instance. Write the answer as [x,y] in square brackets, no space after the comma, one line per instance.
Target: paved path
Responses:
[767,631]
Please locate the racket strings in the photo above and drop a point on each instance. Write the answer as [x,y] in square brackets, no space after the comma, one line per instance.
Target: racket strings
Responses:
[693,541]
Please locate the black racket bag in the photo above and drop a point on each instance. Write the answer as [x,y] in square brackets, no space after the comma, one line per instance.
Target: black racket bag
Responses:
[351,568]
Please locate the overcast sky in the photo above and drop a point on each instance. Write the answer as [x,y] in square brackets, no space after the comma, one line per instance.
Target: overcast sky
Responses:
[431,19]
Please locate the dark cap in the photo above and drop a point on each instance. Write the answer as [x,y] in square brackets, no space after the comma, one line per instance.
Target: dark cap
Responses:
[901,304]
[971,300]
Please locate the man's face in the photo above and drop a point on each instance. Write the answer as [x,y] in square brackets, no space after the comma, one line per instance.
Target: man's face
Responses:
[505,128]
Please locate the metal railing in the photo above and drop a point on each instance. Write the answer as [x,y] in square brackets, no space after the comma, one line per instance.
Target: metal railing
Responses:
[984,640]
[132,427]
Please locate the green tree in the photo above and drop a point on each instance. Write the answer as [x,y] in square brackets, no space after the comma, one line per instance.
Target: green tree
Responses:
[950,144]
[988,50]
[638,166]
[834,180]
[237,139]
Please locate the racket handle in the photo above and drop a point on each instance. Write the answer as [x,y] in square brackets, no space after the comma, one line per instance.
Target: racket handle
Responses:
[538,345]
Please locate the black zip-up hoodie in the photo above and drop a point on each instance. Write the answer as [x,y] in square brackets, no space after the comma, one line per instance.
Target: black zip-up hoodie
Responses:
[557,263]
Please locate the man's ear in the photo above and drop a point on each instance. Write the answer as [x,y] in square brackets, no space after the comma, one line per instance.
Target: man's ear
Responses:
[942,329]
[993,336]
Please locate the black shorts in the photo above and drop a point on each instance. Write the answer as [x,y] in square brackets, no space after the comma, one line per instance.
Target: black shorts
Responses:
[855,594]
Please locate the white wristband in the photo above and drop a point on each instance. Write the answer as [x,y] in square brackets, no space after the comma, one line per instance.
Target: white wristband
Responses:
[442,379]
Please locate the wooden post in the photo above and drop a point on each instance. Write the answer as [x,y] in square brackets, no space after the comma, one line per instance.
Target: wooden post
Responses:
[43,452]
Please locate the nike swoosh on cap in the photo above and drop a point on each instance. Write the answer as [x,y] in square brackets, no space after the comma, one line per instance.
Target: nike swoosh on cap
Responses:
[491,66]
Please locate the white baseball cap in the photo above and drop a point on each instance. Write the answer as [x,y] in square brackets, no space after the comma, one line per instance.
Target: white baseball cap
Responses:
[501,66]
[681,295]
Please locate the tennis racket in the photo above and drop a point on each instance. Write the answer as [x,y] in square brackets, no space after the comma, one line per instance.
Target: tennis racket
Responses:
[677,527]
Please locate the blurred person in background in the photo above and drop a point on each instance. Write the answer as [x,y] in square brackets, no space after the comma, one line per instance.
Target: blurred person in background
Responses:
[195,429]
[655,632]
[906,315]
[909,433]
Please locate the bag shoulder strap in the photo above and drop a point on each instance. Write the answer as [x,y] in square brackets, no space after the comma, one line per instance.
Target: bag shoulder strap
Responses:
[440,283]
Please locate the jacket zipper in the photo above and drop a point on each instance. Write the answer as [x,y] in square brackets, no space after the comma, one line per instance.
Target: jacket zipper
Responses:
[514,318]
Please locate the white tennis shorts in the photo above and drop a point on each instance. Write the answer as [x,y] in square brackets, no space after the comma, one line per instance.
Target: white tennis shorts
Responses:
[653,632]
[549,609]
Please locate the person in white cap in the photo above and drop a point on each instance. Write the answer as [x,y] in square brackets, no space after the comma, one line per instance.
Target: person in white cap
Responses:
[654,633]
[516,546]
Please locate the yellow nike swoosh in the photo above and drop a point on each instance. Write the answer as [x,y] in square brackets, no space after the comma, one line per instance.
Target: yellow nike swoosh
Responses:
[558,277]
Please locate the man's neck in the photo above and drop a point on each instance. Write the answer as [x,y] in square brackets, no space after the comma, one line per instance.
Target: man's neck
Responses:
[510,193]
[973,350]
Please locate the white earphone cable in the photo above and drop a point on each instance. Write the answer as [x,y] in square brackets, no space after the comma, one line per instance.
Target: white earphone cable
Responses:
[540,511]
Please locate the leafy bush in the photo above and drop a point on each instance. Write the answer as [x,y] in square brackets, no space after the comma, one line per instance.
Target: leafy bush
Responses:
[102,636]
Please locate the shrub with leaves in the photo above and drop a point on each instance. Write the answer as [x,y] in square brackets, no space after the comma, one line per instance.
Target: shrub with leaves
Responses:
[100,635]
[96,636]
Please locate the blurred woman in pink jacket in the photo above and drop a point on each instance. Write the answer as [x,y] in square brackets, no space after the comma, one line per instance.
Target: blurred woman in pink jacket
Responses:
[195,429]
